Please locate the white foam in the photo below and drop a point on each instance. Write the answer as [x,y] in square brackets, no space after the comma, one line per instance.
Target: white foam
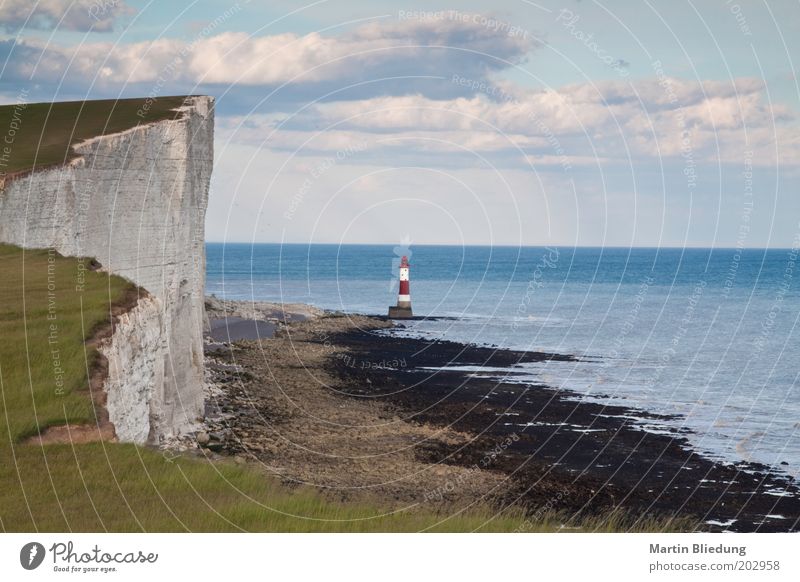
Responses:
[779,493]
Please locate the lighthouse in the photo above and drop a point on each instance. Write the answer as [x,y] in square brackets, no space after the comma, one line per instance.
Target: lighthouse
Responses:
[403,308]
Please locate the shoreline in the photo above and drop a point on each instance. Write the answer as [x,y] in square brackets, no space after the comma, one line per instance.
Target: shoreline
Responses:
[329,402]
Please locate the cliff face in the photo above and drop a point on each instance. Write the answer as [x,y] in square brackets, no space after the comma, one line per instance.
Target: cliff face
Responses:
[136,202]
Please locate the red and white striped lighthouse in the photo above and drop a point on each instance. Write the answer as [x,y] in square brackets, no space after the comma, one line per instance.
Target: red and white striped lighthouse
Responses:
[403,308]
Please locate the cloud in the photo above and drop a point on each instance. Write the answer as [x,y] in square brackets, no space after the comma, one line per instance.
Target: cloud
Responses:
[380,49]
[444,93]
[79,15]
[576,125]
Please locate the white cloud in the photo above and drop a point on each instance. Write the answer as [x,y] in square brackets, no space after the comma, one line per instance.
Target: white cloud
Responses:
[708,122]
[376,50]
[80,15]
[604,121]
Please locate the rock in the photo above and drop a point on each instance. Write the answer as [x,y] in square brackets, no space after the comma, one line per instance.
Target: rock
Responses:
[202,438]
[169,162]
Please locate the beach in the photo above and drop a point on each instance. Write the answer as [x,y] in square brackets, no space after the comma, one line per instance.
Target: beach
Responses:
[332,401]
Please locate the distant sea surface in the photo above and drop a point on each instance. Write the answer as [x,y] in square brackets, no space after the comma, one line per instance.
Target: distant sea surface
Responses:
[708,335]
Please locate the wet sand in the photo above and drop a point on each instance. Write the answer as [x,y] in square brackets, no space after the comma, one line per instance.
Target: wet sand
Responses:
[230,321]
[332,402]
[231,329]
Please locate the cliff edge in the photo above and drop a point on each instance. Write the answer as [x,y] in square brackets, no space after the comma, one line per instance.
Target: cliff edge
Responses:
[135,200]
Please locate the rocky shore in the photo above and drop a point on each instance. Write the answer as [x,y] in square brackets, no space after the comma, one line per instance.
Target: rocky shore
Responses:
[333,402]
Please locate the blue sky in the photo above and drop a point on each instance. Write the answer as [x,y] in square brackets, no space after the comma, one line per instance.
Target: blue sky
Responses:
[512,122]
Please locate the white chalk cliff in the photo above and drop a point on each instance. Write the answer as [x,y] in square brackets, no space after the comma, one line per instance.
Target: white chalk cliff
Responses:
[135,201]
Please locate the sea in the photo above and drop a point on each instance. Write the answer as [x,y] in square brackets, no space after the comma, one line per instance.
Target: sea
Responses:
[707,336]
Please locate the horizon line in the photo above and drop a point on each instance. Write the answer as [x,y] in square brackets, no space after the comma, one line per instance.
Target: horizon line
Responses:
[533,246]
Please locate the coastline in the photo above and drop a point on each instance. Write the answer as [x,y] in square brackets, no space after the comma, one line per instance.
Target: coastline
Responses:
[331,401]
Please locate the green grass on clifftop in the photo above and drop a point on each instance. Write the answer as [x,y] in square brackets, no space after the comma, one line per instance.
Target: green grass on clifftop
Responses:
[49,306]
[41,134]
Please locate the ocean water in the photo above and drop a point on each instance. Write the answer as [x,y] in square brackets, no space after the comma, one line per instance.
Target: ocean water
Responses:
[707,335]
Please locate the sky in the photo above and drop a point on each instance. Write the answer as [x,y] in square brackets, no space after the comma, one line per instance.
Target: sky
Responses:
[513,122]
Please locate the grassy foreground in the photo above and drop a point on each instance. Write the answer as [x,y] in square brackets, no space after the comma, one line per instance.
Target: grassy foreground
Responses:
[121,487]
[42,134]
[115,487]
